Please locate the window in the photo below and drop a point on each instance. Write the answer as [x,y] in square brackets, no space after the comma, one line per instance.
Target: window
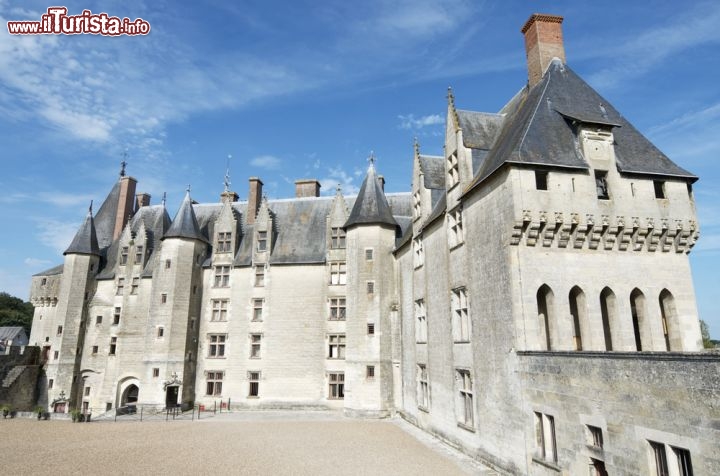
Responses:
[668,316]
[116,316]
[661,466]
[113,345]
[541,180]
[134,285]
[216,349]
[368,254]
[123,255]
[160,332]
[601,185]
[336,346]
[51,383]
[545,448]
[262,240]
[337,309]
[421,330]
[336,381]
[452,170]
[418,253]
[423,392]
[577,312]
[659,187]
[56,355]
[371,329]
[163,298]
[87,392]
[337,238]
[43,282]
[260,275]
[219,310]
[156,372]
[168,263]
[460,317]
[94,350]
[607,312]
[370,372]
[465,398]
[222,276]
[544,299]
[637,312]
[595,436]
[683,459]
[224,242]
[370,287]
[455,228]
[417,205]
[59,330]
[139,254]
[120,286]
[597,467]
[254,384]
[338,273]
[255,345]
[214,383]
[258,305]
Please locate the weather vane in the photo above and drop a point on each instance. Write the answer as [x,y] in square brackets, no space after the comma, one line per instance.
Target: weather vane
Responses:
[164,198]
[123,163]
[227,174]
[371,159]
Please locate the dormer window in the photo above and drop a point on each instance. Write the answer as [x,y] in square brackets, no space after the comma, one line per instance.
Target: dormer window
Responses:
[224,242]
[417,205]
[453,175]
[262,241]
[541,180]
[337,238]
[601,185]
[139,254]
[123,255]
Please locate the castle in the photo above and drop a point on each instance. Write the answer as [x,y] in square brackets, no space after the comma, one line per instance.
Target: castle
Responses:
[529,301]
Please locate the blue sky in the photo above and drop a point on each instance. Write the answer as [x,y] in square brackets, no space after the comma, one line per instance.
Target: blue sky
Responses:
[300,89]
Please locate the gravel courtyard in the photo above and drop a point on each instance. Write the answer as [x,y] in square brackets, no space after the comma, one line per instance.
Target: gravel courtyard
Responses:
[243,443]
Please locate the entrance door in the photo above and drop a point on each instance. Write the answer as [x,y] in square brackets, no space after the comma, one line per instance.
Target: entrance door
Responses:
[60,407]
[171,396]
[130,395]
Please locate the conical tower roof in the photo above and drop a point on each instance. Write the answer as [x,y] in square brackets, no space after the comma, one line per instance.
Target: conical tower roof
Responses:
[185,224]
[371,206]
[85,241]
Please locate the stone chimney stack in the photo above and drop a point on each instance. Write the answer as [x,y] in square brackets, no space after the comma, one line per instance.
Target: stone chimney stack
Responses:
[381,179]
[126,204]
[254,198]
[229,196]
[543,42]
[307,188]
[142,200]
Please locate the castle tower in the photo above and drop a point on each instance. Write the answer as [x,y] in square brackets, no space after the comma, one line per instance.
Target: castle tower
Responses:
[66,337]
[371,232]
[175,308]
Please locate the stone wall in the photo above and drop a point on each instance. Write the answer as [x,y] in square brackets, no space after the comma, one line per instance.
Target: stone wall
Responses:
[19,372]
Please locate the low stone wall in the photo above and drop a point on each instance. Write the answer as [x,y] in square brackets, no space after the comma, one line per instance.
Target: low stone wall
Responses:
[667,397]
[19,372]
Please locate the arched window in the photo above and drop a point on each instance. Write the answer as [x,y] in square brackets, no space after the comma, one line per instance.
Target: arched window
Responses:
[637,309]
[577,312]
[608,310]
[545,314]
[669,319]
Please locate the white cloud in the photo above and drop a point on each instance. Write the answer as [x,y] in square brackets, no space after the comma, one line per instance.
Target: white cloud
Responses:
[338,176]
[410,122]
[269,162]
[61,199]
[36,262]
[56,234]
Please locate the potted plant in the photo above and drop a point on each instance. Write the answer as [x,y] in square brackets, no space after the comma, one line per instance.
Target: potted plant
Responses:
[75,414]
[39,411]
[5,410]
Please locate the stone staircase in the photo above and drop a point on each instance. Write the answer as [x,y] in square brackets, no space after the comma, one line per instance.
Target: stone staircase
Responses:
[12,375]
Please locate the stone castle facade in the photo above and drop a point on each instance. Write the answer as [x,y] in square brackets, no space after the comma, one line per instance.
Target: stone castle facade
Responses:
[528,301]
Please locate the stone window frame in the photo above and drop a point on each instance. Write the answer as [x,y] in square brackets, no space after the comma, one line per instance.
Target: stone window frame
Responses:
[224,242]
[120,289]
[254,383]
[461,323]
[465,406]
[338,238]
[453,170]
[134,284]
[262,241]
[219,310]
[336,345]
[221,276]
[338,273]
[124,251]
[259,276]
[216,345]
[337,308]
[336,385]
[456,235]
[545,438]
[255,345]
[139,254]
[417,205]
[214,382]
[418,252]
[421,329]
[423,388]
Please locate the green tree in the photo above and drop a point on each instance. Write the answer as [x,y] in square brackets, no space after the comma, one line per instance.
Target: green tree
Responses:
[15,312]
[705,332]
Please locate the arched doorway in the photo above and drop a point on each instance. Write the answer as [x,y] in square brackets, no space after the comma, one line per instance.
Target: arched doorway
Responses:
[129,395]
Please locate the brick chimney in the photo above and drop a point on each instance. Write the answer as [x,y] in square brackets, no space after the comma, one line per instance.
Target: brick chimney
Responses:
[307,188]
[142,200]
[543,42]
[254,198]
[126,204]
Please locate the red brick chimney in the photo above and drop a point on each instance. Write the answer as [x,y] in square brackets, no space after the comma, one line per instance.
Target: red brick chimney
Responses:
[254,198]
[543,42]
[126,204]
[142,200]
[307,188]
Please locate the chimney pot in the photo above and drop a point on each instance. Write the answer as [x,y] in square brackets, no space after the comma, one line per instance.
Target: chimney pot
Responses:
[543,42]
[142,200]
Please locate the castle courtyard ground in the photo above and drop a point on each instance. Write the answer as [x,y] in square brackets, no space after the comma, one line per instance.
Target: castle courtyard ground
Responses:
[278,443]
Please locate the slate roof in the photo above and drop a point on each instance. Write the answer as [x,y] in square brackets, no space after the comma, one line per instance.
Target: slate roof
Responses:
[52,271]
[10,332]
[105,217]
[85,241]
[185,225]
[479,128]
[371,205]
[538,129]
[433,169]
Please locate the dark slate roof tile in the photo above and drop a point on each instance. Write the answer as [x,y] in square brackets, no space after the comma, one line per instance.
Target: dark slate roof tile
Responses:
[479,129]
[185,224]
[371,205]
[105,217]
[85,241]
[52,271]
[433,169]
